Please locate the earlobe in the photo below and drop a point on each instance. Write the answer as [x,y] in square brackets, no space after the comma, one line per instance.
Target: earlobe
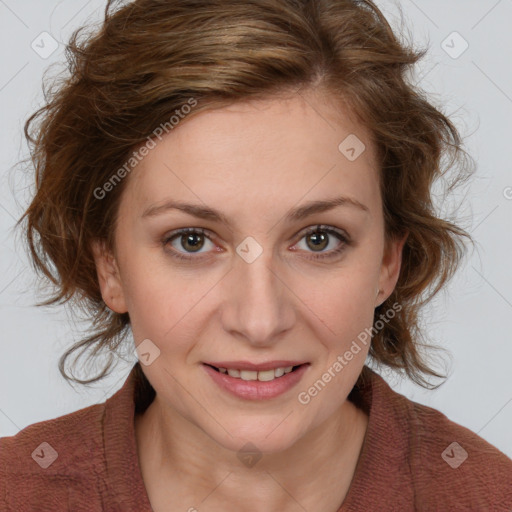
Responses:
[390,270]
[108,277]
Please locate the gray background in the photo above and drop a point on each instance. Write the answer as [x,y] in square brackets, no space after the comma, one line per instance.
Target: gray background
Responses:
[471,319]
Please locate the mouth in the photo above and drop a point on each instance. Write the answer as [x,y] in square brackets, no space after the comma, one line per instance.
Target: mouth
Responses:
[259,375]
[256,382]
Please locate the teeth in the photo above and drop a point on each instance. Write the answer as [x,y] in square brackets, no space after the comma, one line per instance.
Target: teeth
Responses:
[263,376]
[266,375]
[248,375]
[279,372]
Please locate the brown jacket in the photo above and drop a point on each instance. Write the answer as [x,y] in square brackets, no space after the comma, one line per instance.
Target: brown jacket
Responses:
[413,458]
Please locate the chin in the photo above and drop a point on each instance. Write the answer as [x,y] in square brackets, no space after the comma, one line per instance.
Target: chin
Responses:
[264,438]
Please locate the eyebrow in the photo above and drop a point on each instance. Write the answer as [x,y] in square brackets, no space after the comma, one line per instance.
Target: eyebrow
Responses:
[299,213]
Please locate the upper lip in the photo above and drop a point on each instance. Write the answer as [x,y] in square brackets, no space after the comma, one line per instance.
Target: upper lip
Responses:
[246,365]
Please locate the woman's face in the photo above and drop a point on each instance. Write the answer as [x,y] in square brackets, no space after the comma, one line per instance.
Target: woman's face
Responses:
[254,287]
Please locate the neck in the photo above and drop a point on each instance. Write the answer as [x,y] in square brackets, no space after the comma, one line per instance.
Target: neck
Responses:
[180,463]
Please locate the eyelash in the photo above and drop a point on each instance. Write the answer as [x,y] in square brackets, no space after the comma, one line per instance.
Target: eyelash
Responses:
[342,237]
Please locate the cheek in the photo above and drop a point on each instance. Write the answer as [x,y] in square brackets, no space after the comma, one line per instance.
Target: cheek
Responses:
[342,301]
[151,301]
[164,304]
[343,317]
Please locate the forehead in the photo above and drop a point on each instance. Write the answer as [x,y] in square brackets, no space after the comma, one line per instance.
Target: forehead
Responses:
[303,144]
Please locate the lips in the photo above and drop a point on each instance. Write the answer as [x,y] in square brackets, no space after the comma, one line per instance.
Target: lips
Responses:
[245,365]
[256,381]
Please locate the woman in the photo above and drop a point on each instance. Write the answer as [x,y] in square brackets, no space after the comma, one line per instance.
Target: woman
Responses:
[245,187]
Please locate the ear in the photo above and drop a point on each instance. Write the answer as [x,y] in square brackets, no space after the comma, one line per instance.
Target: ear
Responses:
[108,277]
[390,269]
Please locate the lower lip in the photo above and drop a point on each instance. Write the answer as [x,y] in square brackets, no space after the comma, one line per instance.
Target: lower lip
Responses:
[255,389]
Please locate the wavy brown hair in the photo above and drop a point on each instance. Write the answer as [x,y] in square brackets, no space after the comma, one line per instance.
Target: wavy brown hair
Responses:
[149,57]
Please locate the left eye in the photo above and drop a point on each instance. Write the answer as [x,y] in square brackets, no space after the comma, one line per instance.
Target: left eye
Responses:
[319,238]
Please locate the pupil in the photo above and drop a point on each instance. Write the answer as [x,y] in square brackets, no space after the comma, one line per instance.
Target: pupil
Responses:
[318,239]
[189,239]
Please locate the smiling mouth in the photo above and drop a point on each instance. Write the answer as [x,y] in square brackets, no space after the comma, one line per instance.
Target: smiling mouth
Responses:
[261,375]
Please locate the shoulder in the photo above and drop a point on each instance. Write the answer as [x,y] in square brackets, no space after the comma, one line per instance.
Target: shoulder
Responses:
[451,465]
[54,460]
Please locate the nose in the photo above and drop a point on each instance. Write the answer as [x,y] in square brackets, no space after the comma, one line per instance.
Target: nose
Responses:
[259,306]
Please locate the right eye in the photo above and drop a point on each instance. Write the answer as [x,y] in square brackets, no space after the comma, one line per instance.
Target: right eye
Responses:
[192,240]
